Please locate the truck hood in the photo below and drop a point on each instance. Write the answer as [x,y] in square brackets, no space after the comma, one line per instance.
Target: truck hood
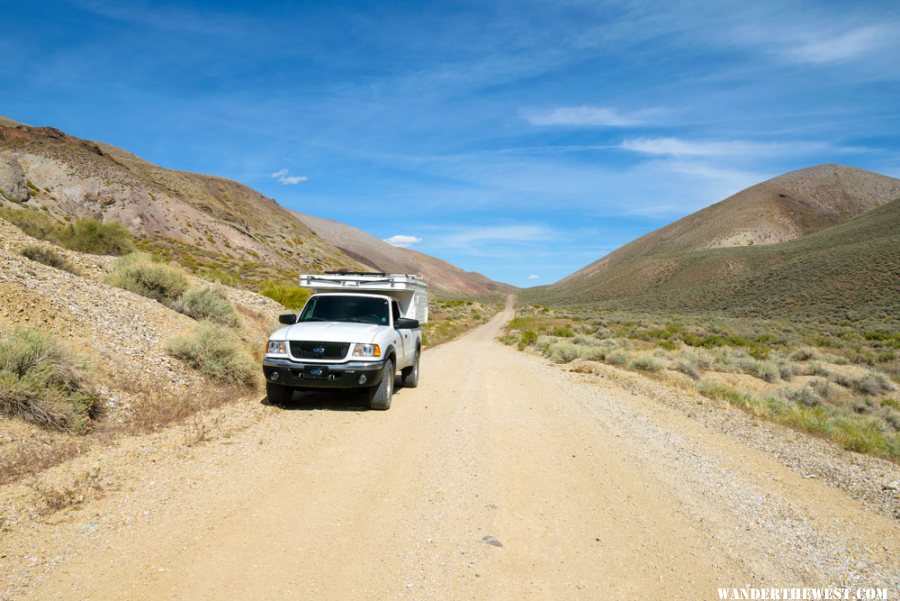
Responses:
[330,331]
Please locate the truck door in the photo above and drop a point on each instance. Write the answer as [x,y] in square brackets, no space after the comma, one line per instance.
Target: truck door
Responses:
[404,353]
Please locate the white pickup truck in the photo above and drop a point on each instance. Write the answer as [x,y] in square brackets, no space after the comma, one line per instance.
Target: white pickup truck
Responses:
[357,331]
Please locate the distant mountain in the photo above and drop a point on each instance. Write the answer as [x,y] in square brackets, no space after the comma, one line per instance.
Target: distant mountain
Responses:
[816,241]
[203,222]
[381,256]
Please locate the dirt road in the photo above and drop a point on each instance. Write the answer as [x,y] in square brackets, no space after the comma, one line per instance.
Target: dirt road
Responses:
[500,477]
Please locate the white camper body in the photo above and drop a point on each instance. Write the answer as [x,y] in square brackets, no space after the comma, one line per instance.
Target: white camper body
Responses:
[410,291]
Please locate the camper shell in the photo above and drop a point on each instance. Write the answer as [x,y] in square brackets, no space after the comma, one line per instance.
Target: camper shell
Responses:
[410,291]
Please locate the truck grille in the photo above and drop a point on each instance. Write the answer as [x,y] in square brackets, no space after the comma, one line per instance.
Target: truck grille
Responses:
[328,350]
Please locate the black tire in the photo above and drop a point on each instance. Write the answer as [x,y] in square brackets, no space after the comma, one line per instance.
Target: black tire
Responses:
[380,396]
[278,395]
[411,374]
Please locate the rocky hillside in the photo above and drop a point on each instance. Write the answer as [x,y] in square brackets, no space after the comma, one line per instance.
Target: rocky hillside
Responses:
[822,241]
[121,335]
[443,277]
[204,223]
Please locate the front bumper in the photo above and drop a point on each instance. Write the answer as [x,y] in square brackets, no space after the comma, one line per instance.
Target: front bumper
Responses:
[322,375]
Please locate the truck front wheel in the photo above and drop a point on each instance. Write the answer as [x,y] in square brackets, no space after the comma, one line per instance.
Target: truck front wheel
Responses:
[278,395]
[380,396]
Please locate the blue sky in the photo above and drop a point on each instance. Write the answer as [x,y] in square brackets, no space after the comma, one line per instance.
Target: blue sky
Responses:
[523,139]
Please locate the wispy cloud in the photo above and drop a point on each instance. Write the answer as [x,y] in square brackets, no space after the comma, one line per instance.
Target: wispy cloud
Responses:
[402,241]
[470,237]
[534,277]
[588,116]
[841,47]
[677,147]
[282,175]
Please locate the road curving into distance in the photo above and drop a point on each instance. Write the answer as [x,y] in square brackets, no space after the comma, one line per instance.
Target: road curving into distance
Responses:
[500,477]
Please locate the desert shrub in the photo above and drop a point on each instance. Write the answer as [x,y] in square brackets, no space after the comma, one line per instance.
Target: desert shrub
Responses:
[47,257]
[823,388]
[291,297]
[874,383]
[759,351]
[96,237]
[138,273]
[786,370]
[216,352]
[862,435]
[544,343]
[209,303]
[617,358]
[221,276]
[562,332]
[807,395]
[764,370]
[645,363]
[34,223]
[893,403]
[806,354]
[44,384]
[564,352]
[667,345]
[689,369]
[528,338]
[595,353]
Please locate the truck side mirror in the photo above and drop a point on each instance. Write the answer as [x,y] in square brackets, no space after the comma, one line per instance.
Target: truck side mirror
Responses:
[287,318]
[404,323]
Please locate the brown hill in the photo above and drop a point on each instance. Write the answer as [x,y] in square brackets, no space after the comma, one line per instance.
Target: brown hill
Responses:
[837,253]
[381,256]
[205,223]
[201,221]
[783,208]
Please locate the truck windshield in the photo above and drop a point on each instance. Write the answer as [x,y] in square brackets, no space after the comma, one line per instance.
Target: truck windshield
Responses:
[358,309]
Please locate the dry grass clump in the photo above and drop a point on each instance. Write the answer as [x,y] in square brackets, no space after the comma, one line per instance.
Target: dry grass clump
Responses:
[48,257]
[42,383]
[216,352]
[139,273]
[853,432]
[96,237]
[290,296]
[209,302]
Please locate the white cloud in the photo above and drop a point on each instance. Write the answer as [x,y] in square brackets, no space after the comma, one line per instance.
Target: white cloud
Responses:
[534,277]
[839,48]
[402,241]
[591,116]
[288,180]
[493,235]
[676,147]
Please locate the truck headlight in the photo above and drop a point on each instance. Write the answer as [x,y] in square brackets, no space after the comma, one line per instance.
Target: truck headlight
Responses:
[277,347]
[366,350]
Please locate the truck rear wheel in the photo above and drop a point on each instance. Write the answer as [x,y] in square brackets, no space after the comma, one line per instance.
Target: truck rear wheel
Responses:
[411,374]
[278,395]
[380,396]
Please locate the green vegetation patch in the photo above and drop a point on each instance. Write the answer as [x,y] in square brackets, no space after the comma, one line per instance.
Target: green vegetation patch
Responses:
[42,383]
[48,257]
[96,237]
[209,302]
[216,352]
[289,296]
[140,274]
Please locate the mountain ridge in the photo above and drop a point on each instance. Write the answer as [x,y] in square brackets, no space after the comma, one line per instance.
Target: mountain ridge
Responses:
[206,223]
